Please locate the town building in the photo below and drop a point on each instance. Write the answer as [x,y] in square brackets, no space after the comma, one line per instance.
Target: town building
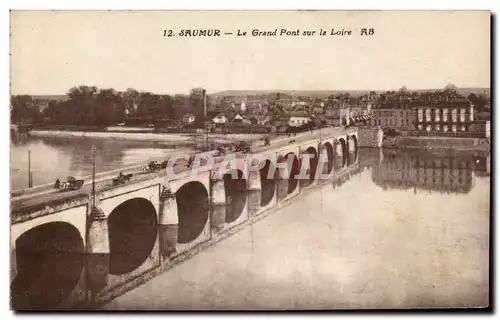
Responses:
[237,119]
[220,119]
[260,119]
[188,118]
[480,128]
[298,118]
[360,113]
[443,117]
[396,115]
[338,115]
[343,114]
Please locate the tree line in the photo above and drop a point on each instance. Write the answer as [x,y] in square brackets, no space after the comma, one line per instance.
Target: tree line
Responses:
[91,106]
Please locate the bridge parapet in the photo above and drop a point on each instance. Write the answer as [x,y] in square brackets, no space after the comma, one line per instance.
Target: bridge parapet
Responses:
[43,209]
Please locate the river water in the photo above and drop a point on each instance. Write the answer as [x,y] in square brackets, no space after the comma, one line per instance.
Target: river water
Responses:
[62,157]
[408,230]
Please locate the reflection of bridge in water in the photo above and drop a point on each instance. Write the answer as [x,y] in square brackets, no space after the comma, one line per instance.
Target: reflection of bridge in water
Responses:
[70,253]
[421,170]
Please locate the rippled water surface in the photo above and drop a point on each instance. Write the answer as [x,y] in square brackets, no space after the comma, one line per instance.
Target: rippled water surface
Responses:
[59,157]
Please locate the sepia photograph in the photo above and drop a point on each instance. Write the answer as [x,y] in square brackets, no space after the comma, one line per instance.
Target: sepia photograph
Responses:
[250,160]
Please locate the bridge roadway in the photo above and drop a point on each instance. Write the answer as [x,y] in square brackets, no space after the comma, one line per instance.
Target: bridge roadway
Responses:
[19,204]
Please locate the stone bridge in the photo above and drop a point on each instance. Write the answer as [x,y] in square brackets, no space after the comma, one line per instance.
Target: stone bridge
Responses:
[83,251]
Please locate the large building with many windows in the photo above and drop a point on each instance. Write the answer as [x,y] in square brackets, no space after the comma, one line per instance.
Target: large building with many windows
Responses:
[443,117]
[396,115]
[343,114]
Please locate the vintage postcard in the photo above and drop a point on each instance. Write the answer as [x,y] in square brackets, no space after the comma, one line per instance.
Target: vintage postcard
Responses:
[250,160]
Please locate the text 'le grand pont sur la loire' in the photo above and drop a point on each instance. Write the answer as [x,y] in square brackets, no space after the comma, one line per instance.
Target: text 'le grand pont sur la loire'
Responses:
[267,33]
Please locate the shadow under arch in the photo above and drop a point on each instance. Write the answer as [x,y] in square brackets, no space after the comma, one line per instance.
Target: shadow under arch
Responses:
[328,167]
[268,183]
[311,166]
[192,207]
[293,171]
[341,153]
[50,262]
[235,186]
[132,235]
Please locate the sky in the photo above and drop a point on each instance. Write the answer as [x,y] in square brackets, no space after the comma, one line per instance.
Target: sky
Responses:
[52,51]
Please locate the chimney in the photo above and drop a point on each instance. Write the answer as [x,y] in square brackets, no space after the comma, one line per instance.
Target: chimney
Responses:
[204,104]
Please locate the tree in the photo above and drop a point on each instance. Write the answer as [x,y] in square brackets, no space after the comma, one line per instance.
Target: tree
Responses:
[181,105]
[403,91]
[82,104]
[147,103]
[167,107]
[450,89]
[130,99]
[109,108]
[53,111]
[23,108]
[196,96]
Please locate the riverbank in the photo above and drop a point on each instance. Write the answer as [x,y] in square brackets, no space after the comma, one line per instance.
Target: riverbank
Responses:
[438,143]
[168,138]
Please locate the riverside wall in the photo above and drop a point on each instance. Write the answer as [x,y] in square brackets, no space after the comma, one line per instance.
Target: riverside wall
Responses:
[370,137]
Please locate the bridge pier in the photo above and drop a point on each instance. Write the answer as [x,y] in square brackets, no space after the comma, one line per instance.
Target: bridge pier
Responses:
[97,262]
[281,181]
[168,223]
[254,194]
[218,205]
[340,157]
[351,150]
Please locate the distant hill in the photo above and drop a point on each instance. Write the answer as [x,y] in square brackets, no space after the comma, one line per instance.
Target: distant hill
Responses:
[57,97]
[46,97]
[326,93]
[315,93]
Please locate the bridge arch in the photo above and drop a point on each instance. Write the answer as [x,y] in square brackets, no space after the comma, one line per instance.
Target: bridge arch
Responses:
[192,208]
[340,153]
[49,262]
[293,170]
[133,228]
[310,165]
[328,148]
[235,186]
[268,182]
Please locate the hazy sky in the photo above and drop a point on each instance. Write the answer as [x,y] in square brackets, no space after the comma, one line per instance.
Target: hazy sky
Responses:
[53,51]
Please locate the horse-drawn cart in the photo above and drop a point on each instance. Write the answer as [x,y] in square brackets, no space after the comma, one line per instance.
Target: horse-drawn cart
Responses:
[122,178]
[70,184]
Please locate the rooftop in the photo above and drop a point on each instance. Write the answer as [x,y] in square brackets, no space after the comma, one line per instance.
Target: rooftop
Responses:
[299,114]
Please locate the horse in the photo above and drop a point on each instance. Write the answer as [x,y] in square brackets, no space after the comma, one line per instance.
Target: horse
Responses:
[122,179]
